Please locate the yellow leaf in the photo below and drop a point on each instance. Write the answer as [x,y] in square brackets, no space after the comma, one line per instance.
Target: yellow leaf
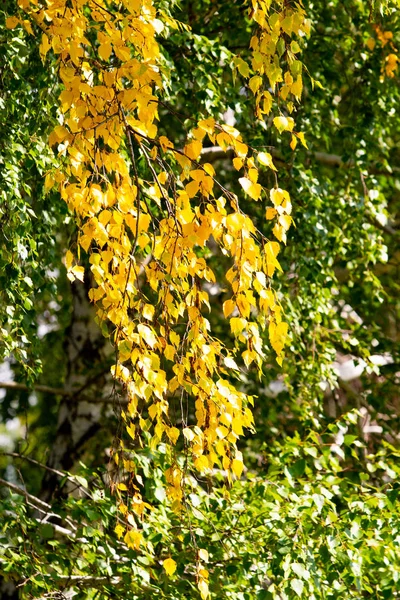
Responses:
[69,257]
[209,169]
[193,150]
[228,307]
[123,53]
[271,251]
[203,555]
[105,51]
[119,530]
[44,46]
[248,357]
[201,463]
[28,27]
[148,312]
[238,163]
[294,47]
[123,509]
[133,538]
[163,177]
[240,148]
[60,132]
[260,276]
[265,159]
[278,195]
[287,24]
[173,434]
[203,588]
[255,83]
[253,175]
[224,140]
[197,175]
[230,363]
[49,182]
[131,431]
[192,188]
[279,233]
[237,325]
[77,273]
[270,213]
[234,222]
[188,433]
[293,143]
[285,221]
[242,67]
[243,305]
[237,426]
[284,123]
[165,143]
[267,102]
[169,352]
[252,189]
[170,566]
[147,335]
[154,411]
[175,338]
[198,133]
[67,74]
[278,335]
[297,87]
[302,139]
[370,43]
[207,124]
[12,22]
[237,467]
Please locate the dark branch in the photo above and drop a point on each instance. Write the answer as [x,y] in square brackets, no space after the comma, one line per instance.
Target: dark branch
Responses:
[12,385]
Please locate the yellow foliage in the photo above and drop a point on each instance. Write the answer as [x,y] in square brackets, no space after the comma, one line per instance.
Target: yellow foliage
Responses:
[133,539]
[170,566]
[130,250]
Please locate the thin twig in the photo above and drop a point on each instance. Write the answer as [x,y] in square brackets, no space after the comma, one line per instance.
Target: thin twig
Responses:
[18,490]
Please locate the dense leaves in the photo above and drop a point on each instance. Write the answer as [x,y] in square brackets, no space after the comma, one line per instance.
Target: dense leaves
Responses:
[30,221]
[310,506]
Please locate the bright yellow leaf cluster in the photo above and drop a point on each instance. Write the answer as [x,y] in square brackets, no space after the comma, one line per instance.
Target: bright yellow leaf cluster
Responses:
[391,57]
[148,239]
[274,69]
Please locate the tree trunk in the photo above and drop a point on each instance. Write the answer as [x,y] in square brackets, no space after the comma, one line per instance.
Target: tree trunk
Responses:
[78,419]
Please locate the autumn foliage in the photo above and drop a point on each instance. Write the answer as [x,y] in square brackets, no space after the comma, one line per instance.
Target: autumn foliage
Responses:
[156,222]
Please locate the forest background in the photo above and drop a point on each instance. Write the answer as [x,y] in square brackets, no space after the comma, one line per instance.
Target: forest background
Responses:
[212,408]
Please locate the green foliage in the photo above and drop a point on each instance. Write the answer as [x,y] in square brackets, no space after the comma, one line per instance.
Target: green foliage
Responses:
[30,222]
[316,514]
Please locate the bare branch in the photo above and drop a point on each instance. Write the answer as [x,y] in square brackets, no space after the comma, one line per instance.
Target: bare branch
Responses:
[17,490]
[34,462]
[12,385]
[88,579]
[69,477]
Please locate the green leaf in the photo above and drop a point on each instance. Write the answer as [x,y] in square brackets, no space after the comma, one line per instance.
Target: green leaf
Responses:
[349,439]
[298,468]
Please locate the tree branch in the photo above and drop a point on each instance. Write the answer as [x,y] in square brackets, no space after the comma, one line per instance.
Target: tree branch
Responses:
[88,579]
[69,477]
[21,492]
[12,385]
